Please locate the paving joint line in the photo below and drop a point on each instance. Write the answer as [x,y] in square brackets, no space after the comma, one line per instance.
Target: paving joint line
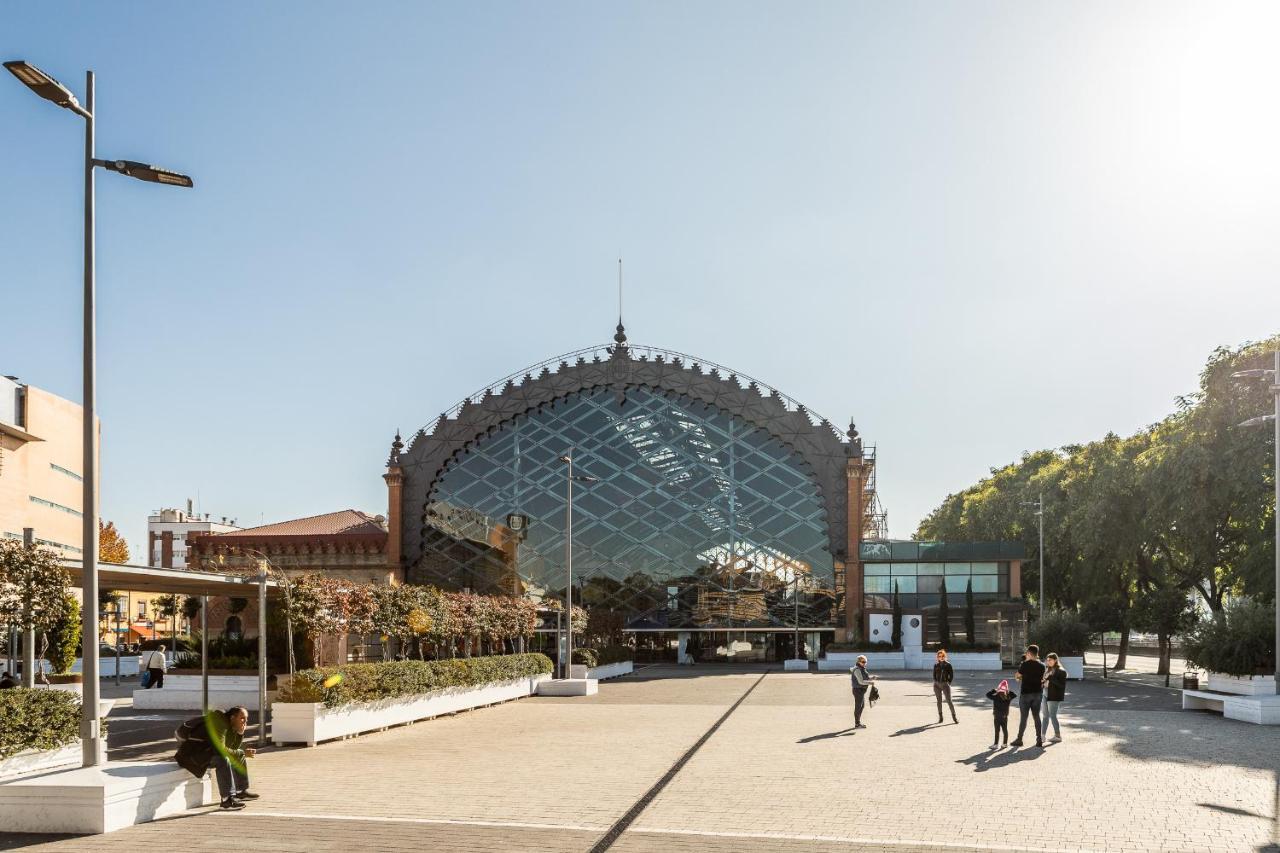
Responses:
[615,832]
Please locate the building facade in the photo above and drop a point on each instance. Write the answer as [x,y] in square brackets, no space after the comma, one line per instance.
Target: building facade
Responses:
[718,511]
[168,530]
[41,480]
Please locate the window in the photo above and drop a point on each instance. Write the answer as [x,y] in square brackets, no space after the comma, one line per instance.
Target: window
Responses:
[52,505]
[72,474]
[957,583]
[988,568]
[142,610]
[905,569]
[905,584]
[875,569]
[985,583]
[877,584]
[957,568]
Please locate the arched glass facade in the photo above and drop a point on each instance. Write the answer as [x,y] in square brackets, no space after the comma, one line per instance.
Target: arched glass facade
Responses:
[698,519]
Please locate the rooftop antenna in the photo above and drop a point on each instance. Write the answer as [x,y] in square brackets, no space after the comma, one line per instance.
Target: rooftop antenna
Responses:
[621,337]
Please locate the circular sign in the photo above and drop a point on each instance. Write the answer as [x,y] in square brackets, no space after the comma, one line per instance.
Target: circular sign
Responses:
[915,621]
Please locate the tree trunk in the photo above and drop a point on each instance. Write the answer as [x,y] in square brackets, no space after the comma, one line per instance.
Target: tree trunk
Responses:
[1123,654]
[1164,645]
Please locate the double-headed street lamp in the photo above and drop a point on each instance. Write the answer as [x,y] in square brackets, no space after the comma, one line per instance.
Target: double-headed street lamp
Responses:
[1273,375]
[51,90]
[567,459]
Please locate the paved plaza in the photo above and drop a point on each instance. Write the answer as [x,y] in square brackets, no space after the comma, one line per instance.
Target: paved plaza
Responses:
[751,759]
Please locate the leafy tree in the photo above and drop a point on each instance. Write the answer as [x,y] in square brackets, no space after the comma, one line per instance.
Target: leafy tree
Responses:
[111,545]
[33,586]
[970,621]
[64,637]
[1165,611]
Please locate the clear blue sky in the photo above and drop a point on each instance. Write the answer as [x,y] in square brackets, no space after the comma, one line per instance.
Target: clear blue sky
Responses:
[978,228]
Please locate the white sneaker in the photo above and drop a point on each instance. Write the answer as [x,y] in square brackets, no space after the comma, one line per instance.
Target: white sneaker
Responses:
[994,746]
[1056,739]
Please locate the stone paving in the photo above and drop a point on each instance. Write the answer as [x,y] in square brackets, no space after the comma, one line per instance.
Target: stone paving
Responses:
[783,771]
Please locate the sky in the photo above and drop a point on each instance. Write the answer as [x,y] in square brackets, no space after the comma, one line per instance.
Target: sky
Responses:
[975,228]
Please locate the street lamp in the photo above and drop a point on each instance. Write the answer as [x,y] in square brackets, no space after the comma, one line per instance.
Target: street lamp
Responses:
[567,459]
[1273,375]
[1038,503]
[51,90]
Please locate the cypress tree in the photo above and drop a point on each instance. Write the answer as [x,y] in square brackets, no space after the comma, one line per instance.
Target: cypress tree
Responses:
[896,636]
[970,628]
[944,619]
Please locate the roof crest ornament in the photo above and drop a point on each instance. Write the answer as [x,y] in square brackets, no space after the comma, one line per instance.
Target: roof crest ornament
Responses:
[620,334]
[396,446]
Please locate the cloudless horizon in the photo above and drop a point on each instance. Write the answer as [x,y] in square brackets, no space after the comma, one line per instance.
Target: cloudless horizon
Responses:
[975,229]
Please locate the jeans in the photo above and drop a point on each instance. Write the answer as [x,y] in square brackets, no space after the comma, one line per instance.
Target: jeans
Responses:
[859,700]
[941,689]
[233,776]
[1002,727]
[157,678]
[1029,703]
[1051,716]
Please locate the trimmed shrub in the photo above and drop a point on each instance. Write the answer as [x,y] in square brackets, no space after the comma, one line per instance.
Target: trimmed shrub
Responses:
[614,654]
[961,646]
[186,643]
[1241,641]
[1062,632]
[37,719]
[585,657]
[863,647]
[191,660]
[336,686]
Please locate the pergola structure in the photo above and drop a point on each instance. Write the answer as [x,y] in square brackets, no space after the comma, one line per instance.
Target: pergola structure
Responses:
[203,584]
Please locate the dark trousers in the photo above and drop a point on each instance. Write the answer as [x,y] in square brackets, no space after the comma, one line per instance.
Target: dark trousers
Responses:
[1029,703]
[232,775]
[859,701]
[1002,728]
[157,678]
[941,689]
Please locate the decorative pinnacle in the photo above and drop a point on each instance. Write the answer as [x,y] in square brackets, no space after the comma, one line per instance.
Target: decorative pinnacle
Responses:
[396,447]
[855,441]
[621,336]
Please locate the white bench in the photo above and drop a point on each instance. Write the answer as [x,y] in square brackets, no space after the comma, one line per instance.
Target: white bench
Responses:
[1203,700]
[1259,710]
[185,693]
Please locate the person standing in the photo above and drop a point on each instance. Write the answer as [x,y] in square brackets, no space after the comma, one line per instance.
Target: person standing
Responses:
[1055,691]
[943,675]
[1031,676]
[217,740]
[1000,699]
[155,668]
[861,684]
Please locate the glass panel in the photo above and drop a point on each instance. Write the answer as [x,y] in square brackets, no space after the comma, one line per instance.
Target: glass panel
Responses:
[906,550]
[985,583]
[699,520]
[957,568]
[905,584]
[877,584]
[929,583]
[904,569]
[875,569]
[986,568]
[957,583]
[928,568]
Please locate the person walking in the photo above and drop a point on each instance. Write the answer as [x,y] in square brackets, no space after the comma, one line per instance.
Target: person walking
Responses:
[155,668]
[217,740]
[1031,677]
[862,682]
[1055,690]
[1000,699]
[943,675]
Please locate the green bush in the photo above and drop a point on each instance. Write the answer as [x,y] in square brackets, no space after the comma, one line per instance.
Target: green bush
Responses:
[961,646]
[64,638]
[586,657]
[186,643]
[191,660]
[863,647]
[37,719]
[614,654]
[1062,632]
[1241,641]
[369,682]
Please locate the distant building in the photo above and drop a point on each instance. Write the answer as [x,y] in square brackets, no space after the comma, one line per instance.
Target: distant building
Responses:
[41,480]
[168,530]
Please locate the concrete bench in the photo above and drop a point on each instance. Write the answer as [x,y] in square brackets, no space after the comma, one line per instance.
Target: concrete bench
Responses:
[184,693]
[1259,710]
[1203,700]
[94,800]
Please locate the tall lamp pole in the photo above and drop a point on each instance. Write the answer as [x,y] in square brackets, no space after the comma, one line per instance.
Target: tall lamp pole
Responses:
[567,459]
[1274,419]
[51,90]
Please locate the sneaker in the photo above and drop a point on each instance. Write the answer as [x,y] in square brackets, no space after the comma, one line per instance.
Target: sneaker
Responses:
[231,804]
[246,795]
[860,725]
[955,720]
[1040,744]
[1018,742]
[1056,739]
[994,746]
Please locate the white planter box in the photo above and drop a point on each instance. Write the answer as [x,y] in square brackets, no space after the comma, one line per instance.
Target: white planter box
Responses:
[795,665]
[1074,667]
[985,661]
[845,661]
[107,666]
[569,687]
[1257,685]
[40,760]
[184,693]
[312,722]
[600,673]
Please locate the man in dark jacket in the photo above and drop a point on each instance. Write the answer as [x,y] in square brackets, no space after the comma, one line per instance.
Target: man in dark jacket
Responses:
[217,740]
[1031,675]
[943,675]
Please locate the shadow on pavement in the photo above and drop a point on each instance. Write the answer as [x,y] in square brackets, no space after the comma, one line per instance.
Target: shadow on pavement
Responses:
[992,759]
[849,732]
[915,730]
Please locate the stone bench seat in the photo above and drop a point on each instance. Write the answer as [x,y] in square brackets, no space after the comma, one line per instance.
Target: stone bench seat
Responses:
[1259,710]
[94,800]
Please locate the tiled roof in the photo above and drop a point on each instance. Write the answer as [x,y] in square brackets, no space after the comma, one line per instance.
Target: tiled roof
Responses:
[347,522]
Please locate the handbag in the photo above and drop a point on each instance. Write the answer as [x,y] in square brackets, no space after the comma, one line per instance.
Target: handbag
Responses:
[146,679]
[873,695]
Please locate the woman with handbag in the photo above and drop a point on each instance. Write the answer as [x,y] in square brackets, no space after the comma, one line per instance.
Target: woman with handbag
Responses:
[862,682]
[1055,691]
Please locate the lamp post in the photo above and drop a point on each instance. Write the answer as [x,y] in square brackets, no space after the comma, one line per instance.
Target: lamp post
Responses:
[1038,503]
[51,90]
[1273,375]
[567,459]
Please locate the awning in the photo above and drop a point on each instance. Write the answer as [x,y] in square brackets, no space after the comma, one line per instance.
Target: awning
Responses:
[181,581]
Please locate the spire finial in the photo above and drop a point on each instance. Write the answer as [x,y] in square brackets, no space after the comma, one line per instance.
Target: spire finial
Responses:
[620,338]
[396,446]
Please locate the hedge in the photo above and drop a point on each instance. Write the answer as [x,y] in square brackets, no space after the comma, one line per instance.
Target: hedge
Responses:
[1240,641]
[369,682]
[37,719]
[592,658]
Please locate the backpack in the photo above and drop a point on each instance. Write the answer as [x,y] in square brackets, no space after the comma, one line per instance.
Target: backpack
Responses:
[146,679]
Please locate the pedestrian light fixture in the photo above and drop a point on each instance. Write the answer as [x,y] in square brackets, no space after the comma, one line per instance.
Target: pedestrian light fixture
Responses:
[143,172]
[45,86]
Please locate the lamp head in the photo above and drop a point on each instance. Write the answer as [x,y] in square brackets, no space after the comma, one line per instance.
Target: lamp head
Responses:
[44,85]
